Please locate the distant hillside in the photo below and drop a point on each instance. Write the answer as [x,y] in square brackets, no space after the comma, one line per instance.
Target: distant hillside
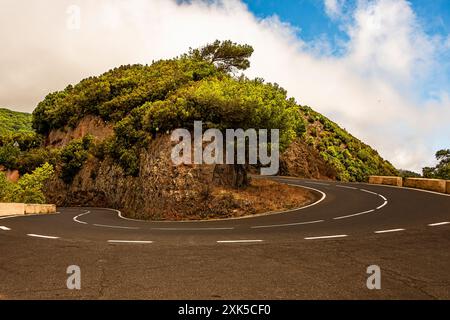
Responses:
[13,121]
[352,159]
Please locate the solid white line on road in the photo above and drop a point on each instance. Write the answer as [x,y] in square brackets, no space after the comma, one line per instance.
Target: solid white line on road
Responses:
[238,241]
[287,224]
[389,230]
[327,237]
[364,190]
[439,224]
[4,228]
[354,215]
[41,236]
[11,216]
[80,215]
[130,241]
[383,197]
[312,204]
[384,203]
[346,187]
[117,227]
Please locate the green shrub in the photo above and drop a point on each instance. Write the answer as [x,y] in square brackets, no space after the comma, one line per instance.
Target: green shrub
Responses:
[73,157]
[29,187]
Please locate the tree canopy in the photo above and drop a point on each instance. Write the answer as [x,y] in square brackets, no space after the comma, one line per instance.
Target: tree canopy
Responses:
[226,55]
[13,122]
[442,169]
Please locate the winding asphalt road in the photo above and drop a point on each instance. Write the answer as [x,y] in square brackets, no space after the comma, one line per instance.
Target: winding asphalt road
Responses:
[321,251]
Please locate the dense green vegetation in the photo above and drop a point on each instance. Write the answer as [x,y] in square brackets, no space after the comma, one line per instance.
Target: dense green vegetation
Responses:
[352,159]
[29,187]
[442,169]
[408,174]
[142,101]
[13,122]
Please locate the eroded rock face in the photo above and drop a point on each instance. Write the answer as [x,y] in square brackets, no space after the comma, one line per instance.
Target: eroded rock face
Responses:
[302,160]
[161,191]
[93,125]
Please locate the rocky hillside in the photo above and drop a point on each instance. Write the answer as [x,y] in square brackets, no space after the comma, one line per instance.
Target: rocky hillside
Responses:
[107,135]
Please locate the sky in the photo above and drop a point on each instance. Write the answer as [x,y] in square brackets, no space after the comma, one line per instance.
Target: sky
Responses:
[379,68]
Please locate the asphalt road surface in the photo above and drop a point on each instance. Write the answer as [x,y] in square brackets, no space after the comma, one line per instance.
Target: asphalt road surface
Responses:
[318,252]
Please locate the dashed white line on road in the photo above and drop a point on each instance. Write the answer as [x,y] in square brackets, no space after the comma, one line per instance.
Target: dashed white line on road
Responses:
[193,229]
[390,230]
[41,236]
[80,215]
[354,215]
[238,241]
[4,228]
[327,237]
[131,241]
[318,183]
[117,227]
[287,224]
[439,224]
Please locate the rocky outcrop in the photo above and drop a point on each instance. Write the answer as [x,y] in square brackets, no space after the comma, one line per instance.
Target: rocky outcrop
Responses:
[302,160]
[92,125]
[161,191]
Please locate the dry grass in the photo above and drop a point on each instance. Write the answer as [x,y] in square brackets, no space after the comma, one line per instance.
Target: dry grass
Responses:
[264,195]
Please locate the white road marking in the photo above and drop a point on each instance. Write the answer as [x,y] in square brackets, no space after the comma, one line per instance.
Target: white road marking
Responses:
[4,228]
[117,227]
[80,215]
[364,190]
[11,216]
[354,215]
[287,224]
[384,203]
[438,223]
[327,237]
[41,236]
[312,204]
[389,230]
[192,229]
[238,241]
[130,241]
[346,187]
[318,183]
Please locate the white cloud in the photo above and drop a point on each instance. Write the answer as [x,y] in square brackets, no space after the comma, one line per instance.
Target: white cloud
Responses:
[333,8]
[386,39]
[367,90]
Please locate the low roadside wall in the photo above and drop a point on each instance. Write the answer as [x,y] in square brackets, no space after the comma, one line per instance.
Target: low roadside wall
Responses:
[389,180]
[7,209]
[40,208]
[437,185]
[448,186]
